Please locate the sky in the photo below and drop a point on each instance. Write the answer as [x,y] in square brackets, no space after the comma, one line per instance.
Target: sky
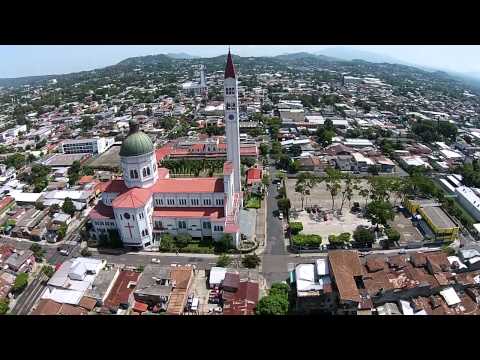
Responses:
[28,60]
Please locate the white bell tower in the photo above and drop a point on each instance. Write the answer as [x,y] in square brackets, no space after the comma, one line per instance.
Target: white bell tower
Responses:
[232,131]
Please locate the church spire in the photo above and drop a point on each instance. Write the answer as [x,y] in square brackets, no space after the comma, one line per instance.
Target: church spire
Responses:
[229,69]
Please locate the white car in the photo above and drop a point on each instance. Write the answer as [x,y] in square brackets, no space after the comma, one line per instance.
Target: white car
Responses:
[280,216]
[155,261]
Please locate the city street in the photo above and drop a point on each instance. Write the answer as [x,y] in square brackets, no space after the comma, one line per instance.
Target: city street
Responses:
[275,256]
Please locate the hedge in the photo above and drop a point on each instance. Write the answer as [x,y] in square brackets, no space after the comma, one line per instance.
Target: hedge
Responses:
[306,240]
[296,227]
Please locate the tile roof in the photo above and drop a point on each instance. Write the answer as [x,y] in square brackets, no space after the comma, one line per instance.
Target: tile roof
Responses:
[47,307]
[188,185]
[345,265]
[101,211]
[133,198]
[85,179]
[87,303]
[254,175]
[6,201]
[120,292]
[113,186]
[193,212]
[182,275]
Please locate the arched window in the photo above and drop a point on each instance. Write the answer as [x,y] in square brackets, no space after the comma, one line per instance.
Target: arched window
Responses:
[135,174]
[132,175]
[148,171]
[144,172]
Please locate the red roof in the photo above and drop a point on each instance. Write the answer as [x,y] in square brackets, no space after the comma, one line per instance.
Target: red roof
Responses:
[230,68]
[140,307]
[120,292]
[249,150]
[163,152]
[194,212]
[114,186]
[188,185]
[133,198]
[243,301]
[85,179]
[254,175]
[5,201]
[163,173]
[101,211]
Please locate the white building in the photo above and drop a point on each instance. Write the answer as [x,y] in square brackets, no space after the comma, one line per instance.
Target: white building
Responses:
[87,146]
[147,203]
[469,200]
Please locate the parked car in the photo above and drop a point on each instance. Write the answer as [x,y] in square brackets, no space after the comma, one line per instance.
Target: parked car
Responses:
[64,252]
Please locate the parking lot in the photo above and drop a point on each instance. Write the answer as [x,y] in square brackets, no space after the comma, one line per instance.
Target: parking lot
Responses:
[408,232]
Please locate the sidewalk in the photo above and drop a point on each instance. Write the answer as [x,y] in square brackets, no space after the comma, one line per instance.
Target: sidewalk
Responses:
[261,229]
[156,253]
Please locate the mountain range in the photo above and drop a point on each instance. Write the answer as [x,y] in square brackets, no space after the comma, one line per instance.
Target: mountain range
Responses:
[332,55]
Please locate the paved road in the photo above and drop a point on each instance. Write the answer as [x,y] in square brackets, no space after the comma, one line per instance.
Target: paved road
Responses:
[275,256]
[30,296]
[143,259]
[35,289]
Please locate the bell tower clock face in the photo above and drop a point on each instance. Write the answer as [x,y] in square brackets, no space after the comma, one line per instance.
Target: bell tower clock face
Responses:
[231,117]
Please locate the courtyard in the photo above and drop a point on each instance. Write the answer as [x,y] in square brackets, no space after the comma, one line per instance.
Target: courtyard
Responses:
[315,223]
[320,197]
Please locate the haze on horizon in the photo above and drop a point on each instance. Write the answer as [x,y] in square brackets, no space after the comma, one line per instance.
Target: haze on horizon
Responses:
[30,60]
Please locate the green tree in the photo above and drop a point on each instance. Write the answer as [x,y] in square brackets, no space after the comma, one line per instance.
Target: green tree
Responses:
[62,231]
[68,207]
[38,252]
[284,205]
[183,239]
[21,282]
[325,136]
[296,150]
[224,260]
[295,227]
[167,242]
[393,236]
[363,236]
[4,306]
[224,244]
[264,149]
[276,302]
[332,181]
[48,270]
[380,212]
[251,261]
[16,160]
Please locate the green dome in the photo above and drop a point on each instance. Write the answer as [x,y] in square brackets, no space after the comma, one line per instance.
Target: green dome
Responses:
[137,143]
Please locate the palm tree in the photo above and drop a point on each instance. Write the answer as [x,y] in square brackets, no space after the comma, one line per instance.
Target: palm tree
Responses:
[364,192]
[333,183]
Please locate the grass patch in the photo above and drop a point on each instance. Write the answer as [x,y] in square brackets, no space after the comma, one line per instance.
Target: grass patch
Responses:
[253,203]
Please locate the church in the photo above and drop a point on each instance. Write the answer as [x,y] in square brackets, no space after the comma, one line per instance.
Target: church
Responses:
[147,203]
